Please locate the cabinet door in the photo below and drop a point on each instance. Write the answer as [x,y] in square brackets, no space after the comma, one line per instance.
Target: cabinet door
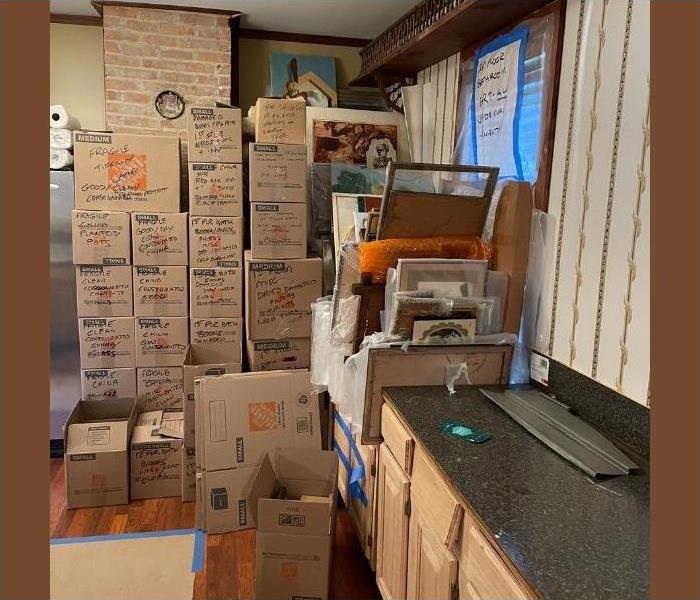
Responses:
[432,568]
[392,526]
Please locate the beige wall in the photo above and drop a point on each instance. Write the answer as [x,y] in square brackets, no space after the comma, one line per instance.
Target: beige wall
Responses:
[77,72]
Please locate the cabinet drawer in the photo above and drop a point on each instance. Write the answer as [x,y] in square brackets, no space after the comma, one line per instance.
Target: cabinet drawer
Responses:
[397,438]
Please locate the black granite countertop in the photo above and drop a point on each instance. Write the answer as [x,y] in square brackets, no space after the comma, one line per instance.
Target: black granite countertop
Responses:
[572,537]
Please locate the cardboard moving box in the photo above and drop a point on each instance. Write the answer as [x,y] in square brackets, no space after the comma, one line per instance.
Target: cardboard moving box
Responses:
[101,237]
[277,230]
[216,292]
[159,238]
[222,335]
[277,172]
[160,291]
[96,458]
[189,475]
[270,355]
[280,121]
[104,291]
[108,384]
[279,297]
[216,241]
[118,171]
[216,189]
[159,388]
[214,135]
[106,343]
[224,505]
[161,341]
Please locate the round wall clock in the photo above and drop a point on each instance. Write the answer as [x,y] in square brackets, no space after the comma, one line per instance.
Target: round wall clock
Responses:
[169,104]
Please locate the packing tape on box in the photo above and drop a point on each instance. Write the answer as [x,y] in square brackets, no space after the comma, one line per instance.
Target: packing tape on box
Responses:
[357,474]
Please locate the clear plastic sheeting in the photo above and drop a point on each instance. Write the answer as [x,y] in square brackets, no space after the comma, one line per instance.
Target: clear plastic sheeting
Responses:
[320,333]
[453,374]
[344,325]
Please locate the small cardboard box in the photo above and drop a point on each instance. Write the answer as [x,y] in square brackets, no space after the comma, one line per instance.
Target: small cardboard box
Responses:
[106,342]
[101,237]
[216,189]
[104,291]
[222,335]
[216,241]
[280,121]
[279,297]
[214,135]
[96,446]
[216,292]
[156,459]
[159,388]
[224,498]
[161,341]
[250,413]
[160,291]
[270,355]
[189,475]
[107,384]
[277,230]
[118,171]
[159,238]
[277,172]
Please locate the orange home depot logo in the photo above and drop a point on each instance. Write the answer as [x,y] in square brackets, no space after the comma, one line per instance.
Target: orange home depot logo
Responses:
[126,171]
[262,416]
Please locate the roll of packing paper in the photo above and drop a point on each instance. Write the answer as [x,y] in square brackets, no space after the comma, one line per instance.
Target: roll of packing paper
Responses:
[59,118]
[61,138]
[60,158]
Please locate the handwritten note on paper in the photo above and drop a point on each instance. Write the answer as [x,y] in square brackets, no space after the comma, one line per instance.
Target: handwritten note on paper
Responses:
[280,121]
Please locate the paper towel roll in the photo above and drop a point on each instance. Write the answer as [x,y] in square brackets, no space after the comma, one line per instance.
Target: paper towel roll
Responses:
[59,118]
[60,158]
[61,138]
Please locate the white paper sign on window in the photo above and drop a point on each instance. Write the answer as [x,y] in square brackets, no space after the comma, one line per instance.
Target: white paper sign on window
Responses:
[497,95]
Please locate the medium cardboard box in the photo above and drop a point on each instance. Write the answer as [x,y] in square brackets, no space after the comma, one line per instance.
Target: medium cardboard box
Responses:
[159,238]
[223,495]
[214,135]
[101,237]
[106,343]
[96,446]
[216,292]
[161,341]
[156,459]
[279,297]
[159,388]
[104,291]
[250,413]
[280,121]
[294,536]
[277,230]
[107,384]
[189,473]
[118,171]
[277,173]
[270,355]
[216,241]
[222,335]
[160,291]
[216,189]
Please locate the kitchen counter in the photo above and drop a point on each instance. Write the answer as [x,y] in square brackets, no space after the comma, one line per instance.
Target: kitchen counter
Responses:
[572,537]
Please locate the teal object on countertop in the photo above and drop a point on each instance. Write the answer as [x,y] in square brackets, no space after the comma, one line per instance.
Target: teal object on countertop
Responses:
[460,430]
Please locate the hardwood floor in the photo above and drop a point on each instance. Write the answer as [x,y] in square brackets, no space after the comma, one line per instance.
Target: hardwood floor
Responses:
[230,558]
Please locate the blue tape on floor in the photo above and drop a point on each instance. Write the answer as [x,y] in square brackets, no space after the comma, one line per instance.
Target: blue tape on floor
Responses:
[200,545]
[122,536]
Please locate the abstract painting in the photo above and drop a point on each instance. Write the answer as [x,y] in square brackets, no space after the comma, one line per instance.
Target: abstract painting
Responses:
[310,77]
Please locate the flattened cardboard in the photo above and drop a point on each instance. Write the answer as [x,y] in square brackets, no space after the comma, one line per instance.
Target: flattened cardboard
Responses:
[101,237]
[189,475]
[280,121]
[214,134]
[270,355]
[220,335]
[160,291]
[107,384]
[118,171]
[216,189]
[277,230]
[216,292]
[224,499]
[161,341]
[159,388]
[159,238]
[104,291]
[279,297]
[277,173]
[106,342]
[216,241]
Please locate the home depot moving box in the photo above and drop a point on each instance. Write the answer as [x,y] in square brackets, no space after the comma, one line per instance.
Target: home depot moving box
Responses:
[280,121]
[101,237]
[106,384]
[270,355]
[118,171]
[216,189]
[96,458]
[279,297]
[161,341]
[216,241]
[294,536]
[216,292]
[106,342]
[160,291]
[104,291]
[159,388]
[223,505]
[159,238]
[277,172]
[214,135]
[277,230]
[220,335]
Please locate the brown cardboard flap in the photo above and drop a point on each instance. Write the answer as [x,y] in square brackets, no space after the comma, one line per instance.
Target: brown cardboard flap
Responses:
[261,486]
[99,425]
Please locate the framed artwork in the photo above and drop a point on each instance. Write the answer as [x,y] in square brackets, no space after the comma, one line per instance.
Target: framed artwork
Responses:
[348,178]
[345,206]
[448,277]
[309,77]
[357,143]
